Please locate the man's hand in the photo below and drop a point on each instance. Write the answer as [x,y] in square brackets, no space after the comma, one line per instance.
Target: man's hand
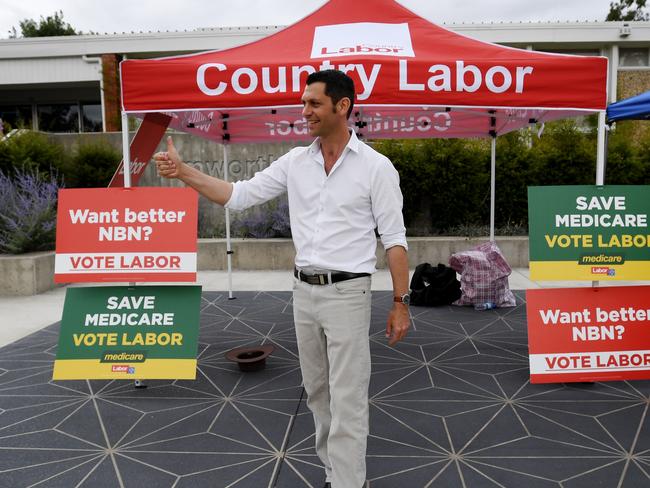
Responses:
[169,163]
[398,323]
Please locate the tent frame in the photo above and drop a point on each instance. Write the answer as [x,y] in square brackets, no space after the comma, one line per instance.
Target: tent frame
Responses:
[502,112]
[600,180]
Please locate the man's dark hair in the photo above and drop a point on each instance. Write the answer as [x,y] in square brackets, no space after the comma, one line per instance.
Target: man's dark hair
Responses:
[338,85]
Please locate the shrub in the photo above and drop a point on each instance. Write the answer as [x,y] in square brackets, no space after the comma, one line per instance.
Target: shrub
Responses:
[514,161]
[446,183]
[627,162]
[564,155]
[27,211]
[644,161]
[92,166]
[484,230]
[32,151]
[623,167]
[443,182]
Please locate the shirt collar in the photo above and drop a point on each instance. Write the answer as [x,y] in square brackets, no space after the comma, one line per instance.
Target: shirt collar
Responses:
[353,144]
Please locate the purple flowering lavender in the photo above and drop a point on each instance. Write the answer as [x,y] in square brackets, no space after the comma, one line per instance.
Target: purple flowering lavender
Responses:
[265,222]
[27,212]
[281,224]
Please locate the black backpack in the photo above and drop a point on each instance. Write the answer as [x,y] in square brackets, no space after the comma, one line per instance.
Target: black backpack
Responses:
[431,286]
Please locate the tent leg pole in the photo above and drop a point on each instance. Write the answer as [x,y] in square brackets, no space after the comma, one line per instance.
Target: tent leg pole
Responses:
[493,164]
[228,244]
[126,156]
[607,131]
[600,160]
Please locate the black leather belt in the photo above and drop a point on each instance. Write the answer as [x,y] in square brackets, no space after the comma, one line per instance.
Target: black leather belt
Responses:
[326,278]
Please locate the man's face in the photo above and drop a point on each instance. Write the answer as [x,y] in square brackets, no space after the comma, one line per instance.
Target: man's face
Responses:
[322,116]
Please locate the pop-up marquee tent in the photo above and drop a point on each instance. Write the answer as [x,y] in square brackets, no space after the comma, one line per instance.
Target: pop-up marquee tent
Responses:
[414,79]
[633,108]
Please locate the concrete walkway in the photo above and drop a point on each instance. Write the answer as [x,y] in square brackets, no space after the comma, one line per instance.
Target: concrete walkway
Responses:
[21,316]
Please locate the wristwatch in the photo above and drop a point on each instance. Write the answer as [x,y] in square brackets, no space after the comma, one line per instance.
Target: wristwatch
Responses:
[405,299]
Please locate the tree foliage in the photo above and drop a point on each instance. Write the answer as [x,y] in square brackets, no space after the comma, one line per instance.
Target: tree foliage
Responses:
[52,25]
[446,182]
[628,10]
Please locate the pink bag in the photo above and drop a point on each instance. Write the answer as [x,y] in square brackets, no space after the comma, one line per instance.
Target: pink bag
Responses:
[483,276]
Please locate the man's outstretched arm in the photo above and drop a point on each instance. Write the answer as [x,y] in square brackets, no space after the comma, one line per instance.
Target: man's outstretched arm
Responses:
[171,166]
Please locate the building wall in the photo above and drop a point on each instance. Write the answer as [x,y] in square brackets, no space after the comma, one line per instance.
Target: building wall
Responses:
[47,70]
[112,100]
[631,83]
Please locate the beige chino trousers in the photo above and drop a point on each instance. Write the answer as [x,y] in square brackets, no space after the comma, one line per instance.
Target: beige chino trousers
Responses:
[332,328]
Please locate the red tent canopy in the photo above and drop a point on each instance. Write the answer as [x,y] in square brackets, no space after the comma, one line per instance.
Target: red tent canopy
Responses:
[413,79]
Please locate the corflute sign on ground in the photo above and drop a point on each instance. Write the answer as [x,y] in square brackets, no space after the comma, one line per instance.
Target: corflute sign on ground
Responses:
[589,232]
[589,334]
[148,332]
[126,234]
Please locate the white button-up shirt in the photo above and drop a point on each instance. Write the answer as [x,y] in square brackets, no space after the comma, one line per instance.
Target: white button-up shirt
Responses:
[333,216]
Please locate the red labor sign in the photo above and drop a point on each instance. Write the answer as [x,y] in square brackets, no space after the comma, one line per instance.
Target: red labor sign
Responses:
[589,334]
[142,146]
[126,234]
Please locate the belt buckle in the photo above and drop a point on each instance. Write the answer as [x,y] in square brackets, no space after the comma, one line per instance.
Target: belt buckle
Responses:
[321,279]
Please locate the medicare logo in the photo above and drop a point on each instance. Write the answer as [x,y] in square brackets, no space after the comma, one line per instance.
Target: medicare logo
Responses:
[366,38]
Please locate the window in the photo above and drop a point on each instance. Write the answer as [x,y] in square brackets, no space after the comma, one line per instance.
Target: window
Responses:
[91,118]
[58,117]
[54,117]
[633,56]
[16,117]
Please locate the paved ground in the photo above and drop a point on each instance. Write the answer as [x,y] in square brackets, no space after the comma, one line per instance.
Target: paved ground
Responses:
[451,406]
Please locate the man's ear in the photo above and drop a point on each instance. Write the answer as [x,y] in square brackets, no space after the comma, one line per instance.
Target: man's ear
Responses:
[343,105]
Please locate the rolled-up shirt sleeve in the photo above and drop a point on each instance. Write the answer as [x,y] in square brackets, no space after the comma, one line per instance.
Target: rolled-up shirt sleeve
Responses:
[387,201]
[262,187]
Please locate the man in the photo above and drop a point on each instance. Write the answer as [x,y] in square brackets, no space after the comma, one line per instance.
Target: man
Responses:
[339,190]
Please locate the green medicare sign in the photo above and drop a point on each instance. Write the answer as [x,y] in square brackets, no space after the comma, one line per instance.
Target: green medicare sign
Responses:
[589,232]
[114,332]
